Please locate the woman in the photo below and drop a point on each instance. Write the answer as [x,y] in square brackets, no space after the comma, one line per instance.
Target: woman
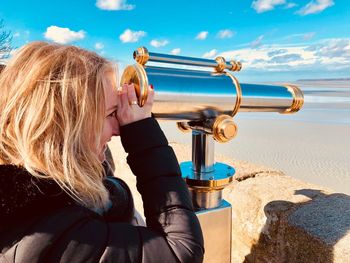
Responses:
[59,108]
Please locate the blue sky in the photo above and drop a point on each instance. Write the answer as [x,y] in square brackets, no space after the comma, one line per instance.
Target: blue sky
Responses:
[276,40]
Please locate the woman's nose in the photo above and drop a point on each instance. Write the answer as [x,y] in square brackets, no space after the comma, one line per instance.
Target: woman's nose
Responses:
[115,127]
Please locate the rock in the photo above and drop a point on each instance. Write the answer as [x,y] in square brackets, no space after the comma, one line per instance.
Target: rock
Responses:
[281,219]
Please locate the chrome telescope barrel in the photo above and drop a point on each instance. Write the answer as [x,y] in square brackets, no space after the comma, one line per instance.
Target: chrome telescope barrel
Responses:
[201,100]
[187,95]
[271,98]
[142,56]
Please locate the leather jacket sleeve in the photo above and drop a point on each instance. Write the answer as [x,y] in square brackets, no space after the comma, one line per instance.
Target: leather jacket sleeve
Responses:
[173,233]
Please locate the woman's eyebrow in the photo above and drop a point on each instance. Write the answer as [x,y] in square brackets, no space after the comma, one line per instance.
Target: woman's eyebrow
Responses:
[112,109]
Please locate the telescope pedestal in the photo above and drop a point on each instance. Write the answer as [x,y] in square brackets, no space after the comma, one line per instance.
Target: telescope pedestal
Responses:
[216,226]
[206,181]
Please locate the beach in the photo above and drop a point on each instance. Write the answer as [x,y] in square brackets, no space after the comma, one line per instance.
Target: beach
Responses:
[311,145]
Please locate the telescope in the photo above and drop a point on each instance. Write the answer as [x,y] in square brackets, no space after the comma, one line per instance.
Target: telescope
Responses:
[203,96]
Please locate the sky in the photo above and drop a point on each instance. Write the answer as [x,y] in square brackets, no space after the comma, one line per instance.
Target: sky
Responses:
[276,40]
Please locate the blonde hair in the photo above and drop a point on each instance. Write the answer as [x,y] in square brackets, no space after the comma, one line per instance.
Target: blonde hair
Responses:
[51,117]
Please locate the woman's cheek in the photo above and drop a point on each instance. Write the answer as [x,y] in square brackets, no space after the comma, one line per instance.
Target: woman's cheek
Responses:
[116,128]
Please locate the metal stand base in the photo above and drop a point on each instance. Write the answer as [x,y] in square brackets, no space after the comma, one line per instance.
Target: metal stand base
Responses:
[216,227]
[206,180]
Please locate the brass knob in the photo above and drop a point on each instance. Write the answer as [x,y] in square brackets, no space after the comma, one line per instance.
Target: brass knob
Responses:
[183,126]
[224,129]
[141,55]
[235,65]
[221,64]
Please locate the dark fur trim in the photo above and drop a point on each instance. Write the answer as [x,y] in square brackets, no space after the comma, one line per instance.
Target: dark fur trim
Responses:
[22,194]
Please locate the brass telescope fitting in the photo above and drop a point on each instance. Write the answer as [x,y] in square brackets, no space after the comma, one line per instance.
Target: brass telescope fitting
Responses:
[224,129]
[298,99]
[141,55]
[222,65]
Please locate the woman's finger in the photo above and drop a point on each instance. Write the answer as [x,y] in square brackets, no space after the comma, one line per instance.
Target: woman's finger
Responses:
[123,95]
[119,93]
[132,95]
[119,102]
[150,96]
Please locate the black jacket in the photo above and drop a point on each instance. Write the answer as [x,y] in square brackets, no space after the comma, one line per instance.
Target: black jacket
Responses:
[41,223]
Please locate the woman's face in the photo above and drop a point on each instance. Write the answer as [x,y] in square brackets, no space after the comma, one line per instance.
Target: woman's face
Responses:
[110,123]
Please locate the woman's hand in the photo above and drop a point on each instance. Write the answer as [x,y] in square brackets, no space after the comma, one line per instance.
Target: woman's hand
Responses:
[128,109]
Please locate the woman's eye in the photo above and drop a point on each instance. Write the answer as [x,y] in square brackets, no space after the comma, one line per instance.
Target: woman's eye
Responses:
[112,114]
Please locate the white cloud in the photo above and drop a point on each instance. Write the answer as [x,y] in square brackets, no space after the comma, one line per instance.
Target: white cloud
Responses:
[63,35]
[159,43]
[261,59]
[202,35]
[291,57]
[114,5]
[21,34]
[290,5]
[210,54]
[266,5]
[276,52]
[176,51]
[324,55]
[308,36]
[257,42]
[332,48]
[316,6]
[99,46]
[131,36]
[304,36]
[225,33]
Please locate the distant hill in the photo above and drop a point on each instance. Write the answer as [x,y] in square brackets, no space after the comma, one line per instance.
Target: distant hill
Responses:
[334,79]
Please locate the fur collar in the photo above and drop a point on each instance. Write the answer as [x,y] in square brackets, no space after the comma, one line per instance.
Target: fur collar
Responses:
[24,195]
